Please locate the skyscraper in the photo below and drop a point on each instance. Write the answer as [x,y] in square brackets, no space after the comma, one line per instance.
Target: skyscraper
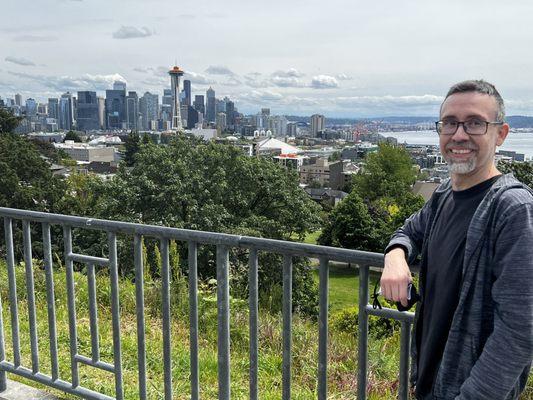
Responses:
[166,106]
[187,90]
[115,106]
[148,107]
[199,104]
[132,111]
[101,112]
[230,113]
[318,123]
[175,74]
[31,107]
[18,100]
[66,111]
[53,108]
[211,111]
[87,111]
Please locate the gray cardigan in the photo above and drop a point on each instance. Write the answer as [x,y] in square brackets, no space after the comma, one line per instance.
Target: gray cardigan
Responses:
[490,344]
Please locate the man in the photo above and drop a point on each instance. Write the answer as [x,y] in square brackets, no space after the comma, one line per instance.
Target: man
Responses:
[473,333]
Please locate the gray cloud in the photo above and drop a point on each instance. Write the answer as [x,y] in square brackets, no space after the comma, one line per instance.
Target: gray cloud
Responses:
[389,101]
[324,82]
[62,83]
[131,32]
[286,82]
[218,70]
[290,73]
[343,77]
[34,38]
[199,79]
[20,61]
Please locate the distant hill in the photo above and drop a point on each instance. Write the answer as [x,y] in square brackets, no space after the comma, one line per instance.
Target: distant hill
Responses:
[520,121]
[515,121]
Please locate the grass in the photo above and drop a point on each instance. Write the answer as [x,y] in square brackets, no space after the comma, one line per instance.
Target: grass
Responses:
[342,364]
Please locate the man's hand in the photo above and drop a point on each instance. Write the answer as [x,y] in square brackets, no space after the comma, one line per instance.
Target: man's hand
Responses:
[396,276]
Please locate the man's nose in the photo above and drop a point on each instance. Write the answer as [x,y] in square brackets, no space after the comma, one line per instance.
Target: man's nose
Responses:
[460,134]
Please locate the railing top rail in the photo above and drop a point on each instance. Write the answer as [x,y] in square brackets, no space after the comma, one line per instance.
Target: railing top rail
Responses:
[362,258]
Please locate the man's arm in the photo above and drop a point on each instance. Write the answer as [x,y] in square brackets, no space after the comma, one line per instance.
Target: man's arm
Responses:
[509,348]
[403,248]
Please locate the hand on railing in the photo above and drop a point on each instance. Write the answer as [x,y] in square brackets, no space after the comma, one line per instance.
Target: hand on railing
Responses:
[396,277]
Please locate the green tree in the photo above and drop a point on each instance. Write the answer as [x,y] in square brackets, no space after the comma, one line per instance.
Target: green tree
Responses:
[71,135]
[388,172]
[8,121]
[380,201]
[132,145]
[523,171]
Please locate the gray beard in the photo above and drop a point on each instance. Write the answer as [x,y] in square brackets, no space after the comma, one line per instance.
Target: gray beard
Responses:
[461,167]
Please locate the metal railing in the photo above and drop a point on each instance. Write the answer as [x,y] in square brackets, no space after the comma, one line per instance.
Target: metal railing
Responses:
[223,243]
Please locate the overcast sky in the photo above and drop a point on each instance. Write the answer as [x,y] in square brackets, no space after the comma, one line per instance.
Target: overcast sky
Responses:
[342,58]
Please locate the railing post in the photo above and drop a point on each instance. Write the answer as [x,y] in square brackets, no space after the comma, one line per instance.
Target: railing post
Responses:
[193,316]
[165,295]
[323,330]
[223,311]
[253,289]
[3,378]
[139,308]
[405,339]
[71,300]
[363,332]
[287,326]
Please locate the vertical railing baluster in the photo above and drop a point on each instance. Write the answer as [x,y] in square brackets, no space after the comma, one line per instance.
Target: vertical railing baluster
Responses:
[167,350]
[139,306]
[71,301]
[193,315]
[3,377]
[323,330]
[287,326]
[12,281]
[363,332]
[115,311]
[253,303]
[223,312]
[405,341]
[93,313]
[30,290]
[50,299]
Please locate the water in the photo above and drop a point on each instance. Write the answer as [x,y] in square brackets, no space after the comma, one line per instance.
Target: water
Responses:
[521,142]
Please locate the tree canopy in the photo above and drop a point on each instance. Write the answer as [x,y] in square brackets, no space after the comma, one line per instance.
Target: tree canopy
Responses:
[8,121]
[380,201]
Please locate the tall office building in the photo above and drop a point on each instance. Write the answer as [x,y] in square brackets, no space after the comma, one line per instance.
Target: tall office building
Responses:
[115,106]
[87,111]
[210,107]
[199,104]
[318,122]
[18,100]
[175,74]
[148,107]
[101,112]
[66,111]
[132,111]
[166,106]
[53,108]
[31,107]
[221,122]
[230,113]
[187,90]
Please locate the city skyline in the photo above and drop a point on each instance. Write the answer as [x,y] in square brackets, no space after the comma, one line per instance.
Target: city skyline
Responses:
[340,60]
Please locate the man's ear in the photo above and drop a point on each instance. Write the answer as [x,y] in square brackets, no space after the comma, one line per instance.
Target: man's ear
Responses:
[502,134]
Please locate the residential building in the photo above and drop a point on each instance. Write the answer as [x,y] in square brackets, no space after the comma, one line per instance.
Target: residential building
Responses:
[317,172]
[318,123]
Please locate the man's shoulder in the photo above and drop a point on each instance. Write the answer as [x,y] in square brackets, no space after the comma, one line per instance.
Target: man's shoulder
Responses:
[509,192]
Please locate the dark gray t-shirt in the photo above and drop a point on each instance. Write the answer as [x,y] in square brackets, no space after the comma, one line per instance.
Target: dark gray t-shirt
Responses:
[446,249]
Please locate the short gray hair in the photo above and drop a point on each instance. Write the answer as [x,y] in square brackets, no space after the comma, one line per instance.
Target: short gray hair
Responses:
[483,87]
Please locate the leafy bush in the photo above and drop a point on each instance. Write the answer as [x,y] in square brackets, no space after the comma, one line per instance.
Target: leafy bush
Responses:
[347,320]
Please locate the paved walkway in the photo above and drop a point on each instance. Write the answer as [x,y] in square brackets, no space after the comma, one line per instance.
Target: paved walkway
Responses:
[18,391]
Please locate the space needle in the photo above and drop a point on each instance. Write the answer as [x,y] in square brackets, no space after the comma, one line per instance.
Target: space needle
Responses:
[175,74]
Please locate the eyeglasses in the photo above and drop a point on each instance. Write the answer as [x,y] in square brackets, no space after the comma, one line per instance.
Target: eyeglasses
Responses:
[471,126]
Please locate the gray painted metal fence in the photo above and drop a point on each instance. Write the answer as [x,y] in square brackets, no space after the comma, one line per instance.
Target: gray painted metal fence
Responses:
[223,243]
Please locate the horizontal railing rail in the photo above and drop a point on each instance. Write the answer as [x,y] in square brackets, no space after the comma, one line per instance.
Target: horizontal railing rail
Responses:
[224,243]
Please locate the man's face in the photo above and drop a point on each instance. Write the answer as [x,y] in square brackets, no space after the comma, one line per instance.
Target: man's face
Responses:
[471,155]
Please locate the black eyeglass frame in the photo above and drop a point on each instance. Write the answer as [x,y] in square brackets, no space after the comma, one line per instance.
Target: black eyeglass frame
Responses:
[487,123]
